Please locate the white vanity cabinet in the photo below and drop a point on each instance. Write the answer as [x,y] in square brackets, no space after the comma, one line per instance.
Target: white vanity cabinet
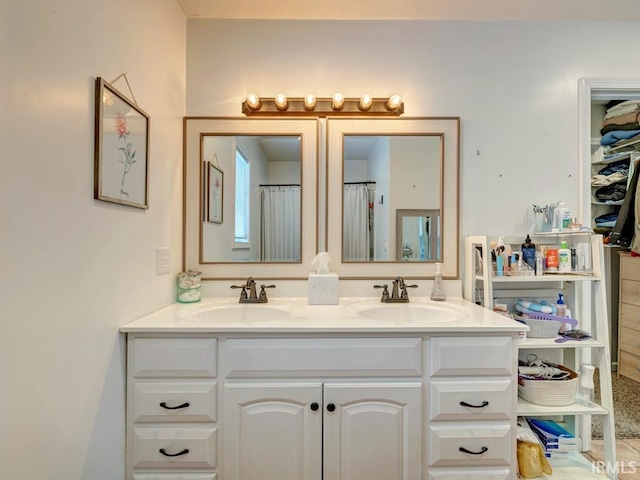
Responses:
[229,406]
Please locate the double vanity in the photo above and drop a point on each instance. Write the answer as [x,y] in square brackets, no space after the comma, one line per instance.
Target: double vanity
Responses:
[285,390]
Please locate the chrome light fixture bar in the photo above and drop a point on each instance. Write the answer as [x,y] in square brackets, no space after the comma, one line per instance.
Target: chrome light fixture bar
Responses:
[310,105]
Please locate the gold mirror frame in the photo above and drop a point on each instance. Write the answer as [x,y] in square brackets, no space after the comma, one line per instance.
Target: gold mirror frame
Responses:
[449,130]
[194,129]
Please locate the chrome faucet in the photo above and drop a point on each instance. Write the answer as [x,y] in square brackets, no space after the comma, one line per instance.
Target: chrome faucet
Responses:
[248,293]
[398,291]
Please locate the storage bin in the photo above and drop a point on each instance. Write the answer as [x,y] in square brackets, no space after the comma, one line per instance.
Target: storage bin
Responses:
[550,393]
[540,328]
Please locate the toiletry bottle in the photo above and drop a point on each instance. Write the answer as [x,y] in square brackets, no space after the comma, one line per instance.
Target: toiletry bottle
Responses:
[564,257]
[561,310]
[529,252]
[561,306]
[437,292]
[552,259]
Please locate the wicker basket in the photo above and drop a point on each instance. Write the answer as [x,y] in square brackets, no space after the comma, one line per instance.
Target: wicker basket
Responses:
[541,328]
[550,393]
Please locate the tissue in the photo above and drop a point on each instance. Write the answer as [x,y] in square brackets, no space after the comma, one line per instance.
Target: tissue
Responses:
[320,262]
[323,284]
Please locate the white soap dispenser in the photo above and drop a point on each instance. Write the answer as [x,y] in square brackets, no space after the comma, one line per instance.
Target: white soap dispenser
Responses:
[437,292]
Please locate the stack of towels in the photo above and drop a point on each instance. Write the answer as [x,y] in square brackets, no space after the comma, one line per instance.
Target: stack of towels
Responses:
[621,123]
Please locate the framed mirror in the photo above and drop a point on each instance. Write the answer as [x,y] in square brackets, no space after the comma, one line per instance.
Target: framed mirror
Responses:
[418,235]
[391,179]
[250,193]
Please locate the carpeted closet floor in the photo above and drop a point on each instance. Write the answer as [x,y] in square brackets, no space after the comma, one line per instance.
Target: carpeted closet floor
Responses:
[626,409]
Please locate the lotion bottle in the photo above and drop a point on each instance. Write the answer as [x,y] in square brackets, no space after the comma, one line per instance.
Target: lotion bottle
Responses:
[437,292]
[564,257]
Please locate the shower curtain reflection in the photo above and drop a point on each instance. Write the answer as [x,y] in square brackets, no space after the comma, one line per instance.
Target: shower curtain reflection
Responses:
[357,239]
[280,225]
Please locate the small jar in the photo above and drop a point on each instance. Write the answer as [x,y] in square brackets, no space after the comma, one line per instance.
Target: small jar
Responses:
[189,287]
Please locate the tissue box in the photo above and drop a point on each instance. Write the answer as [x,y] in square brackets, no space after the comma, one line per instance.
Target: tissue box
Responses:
[323,289]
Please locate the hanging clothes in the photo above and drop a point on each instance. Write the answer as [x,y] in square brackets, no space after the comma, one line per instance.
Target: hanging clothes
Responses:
[281,217]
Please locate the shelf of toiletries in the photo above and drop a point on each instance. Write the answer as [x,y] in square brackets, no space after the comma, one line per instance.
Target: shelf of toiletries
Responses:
[543,257]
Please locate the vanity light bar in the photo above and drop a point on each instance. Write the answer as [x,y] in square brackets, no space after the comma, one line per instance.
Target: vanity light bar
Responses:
[337,105]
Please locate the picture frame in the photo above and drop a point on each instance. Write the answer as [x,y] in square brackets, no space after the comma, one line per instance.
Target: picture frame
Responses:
[121,148]
[215,193]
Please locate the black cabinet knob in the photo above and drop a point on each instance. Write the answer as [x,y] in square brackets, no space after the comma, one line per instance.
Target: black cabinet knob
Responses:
[331,407]
[315,406]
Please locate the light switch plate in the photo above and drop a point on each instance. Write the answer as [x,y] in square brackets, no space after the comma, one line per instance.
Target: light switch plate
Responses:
[162,260]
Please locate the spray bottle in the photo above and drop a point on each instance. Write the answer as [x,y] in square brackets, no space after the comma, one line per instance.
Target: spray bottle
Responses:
[437,292]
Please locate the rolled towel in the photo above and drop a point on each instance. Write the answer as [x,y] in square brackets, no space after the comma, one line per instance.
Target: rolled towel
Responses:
[542,307]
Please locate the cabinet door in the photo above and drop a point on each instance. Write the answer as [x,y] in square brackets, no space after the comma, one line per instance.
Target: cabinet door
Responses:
[372,431]
[272,431]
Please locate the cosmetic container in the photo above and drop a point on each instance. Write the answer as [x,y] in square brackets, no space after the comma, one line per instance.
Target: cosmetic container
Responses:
[437,292]
[189,286]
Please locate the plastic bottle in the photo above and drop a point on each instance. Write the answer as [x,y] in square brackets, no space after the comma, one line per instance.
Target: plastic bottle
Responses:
[529,252]
[437,292]
[564,257]
[552,259]
[562,217]
[561,306]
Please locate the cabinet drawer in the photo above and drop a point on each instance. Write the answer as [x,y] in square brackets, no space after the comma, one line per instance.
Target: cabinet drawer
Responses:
[174,476]
[629,315]
[629,366]
[323,356]
[502,474]
[447,400]
[491,445]
[472,356]
[629,340]
[199,445]
[630,292]
[174,357]
[174,402]
[630,267]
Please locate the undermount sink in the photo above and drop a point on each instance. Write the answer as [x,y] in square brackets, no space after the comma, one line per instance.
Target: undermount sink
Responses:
[416,312]
[234,312]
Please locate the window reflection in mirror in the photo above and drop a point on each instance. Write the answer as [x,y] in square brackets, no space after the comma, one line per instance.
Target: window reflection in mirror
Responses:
[262,199]
[384,175]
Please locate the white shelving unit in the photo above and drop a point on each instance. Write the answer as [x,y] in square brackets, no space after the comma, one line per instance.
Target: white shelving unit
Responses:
[586,295]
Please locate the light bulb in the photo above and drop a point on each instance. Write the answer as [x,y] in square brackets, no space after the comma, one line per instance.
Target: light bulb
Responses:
[310,102]
[337,101]
[253,101]
[394,102]
[365,102]
[281,101]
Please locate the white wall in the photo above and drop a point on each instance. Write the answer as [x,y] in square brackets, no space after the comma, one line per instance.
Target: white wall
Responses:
[514,85]
[73,269]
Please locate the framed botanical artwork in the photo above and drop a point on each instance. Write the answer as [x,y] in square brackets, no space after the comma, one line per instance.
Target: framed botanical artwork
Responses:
[215,187]
[121,154]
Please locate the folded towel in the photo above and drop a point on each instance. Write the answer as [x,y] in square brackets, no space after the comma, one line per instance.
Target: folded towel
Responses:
[612,137]
[599,180]
[622,109]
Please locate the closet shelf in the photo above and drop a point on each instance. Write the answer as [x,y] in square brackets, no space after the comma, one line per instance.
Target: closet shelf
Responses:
[579,407]
[617,158]
[551,343]
[611,204]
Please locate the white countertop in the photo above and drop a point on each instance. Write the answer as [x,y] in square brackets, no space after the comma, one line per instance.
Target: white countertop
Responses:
[421,315]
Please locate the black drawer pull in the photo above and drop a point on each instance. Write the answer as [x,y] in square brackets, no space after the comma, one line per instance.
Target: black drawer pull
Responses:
[331,407]
[315,406]
[483,450]
[183,452]
[482,405]
[184,405]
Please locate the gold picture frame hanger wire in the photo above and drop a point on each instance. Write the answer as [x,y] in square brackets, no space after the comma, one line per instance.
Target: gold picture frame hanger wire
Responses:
[133,97]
